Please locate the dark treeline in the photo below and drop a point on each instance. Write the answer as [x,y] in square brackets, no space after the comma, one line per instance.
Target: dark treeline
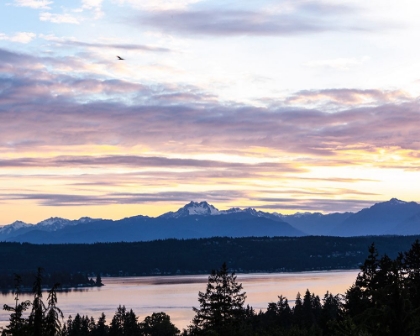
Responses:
[198,256]
[65,279]
[383,301]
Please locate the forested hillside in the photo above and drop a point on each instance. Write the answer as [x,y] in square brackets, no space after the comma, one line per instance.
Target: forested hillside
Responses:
[198,256]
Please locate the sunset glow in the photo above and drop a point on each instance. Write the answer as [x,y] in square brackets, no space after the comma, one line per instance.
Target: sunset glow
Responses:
[283,106]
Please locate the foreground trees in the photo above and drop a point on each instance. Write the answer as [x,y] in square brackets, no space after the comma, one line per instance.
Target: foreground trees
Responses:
[43,320]
[383,301]
[221,306]
[17,323]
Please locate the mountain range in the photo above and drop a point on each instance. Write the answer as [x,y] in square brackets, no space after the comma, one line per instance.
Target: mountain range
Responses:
[203,220]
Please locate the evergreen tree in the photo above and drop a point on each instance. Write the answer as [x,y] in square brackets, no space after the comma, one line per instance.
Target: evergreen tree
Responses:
[38,307]
[124,323]
[380,302]
[101,328]
[284,312]
[53,314]
[17,323]
[159,324]
[298,310]
[98,281]
[116,327]
[411,269]
[367,278]
[221,306]
[277,316]
[307,313]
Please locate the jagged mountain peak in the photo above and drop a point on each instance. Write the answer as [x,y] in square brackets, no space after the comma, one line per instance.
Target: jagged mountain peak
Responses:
[396,201]
[53,221]
[380,218]
[19,223]
[232,210]
[14,226]
[58,223]
[202,208]
[393,203]
[193,208]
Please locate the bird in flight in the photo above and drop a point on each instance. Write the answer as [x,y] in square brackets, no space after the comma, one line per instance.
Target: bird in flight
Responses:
[120,58]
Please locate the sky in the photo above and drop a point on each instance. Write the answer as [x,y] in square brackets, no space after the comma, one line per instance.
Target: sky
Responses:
[283,106]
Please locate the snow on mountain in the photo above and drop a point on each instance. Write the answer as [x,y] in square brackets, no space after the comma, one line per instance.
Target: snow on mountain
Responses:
[53,224]
[231,210]
[6,229]
[391,217]
[57,223]
[202,208]
[306,214]
[83,220]
[395,201]
[193,208]
[206,209]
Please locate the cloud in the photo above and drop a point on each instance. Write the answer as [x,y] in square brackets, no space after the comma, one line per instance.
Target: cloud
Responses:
[311,204]
[302,18]
[159,4]
[338,63]
[123,198]
[127,46]
[21,37]
[84,110]
[138,162]
[36,4]
[92,4]
[348,97]
[95,6]
[324,191]
[58,18]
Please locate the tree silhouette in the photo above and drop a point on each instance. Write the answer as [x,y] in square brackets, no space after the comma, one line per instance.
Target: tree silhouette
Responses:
[98,281]
[221,306]
[53,314]
[38,306]
[159,324]
[101,328]
[17,323]
[124,323]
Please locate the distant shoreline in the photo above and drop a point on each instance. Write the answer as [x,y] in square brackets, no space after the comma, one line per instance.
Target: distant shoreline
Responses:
[196,256]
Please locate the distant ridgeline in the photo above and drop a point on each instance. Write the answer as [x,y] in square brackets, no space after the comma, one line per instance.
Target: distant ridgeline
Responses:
[198,256]
[203,220]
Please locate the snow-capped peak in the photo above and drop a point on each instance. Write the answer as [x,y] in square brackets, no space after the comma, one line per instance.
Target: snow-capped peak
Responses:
[193,208]
[254,212]
[231,210]
[202,208]
[14,226]
[87,219]
[53,221]
[19,224]
[396,201]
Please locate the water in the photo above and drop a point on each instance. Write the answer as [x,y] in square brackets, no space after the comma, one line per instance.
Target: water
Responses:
[176,295]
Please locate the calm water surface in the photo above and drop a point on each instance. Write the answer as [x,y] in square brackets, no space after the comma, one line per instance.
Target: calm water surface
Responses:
[176,295]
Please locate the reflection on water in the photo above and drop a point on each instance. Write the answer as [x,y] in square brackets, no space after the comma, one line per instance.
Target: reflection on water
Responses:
[60,290]
[176,295]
